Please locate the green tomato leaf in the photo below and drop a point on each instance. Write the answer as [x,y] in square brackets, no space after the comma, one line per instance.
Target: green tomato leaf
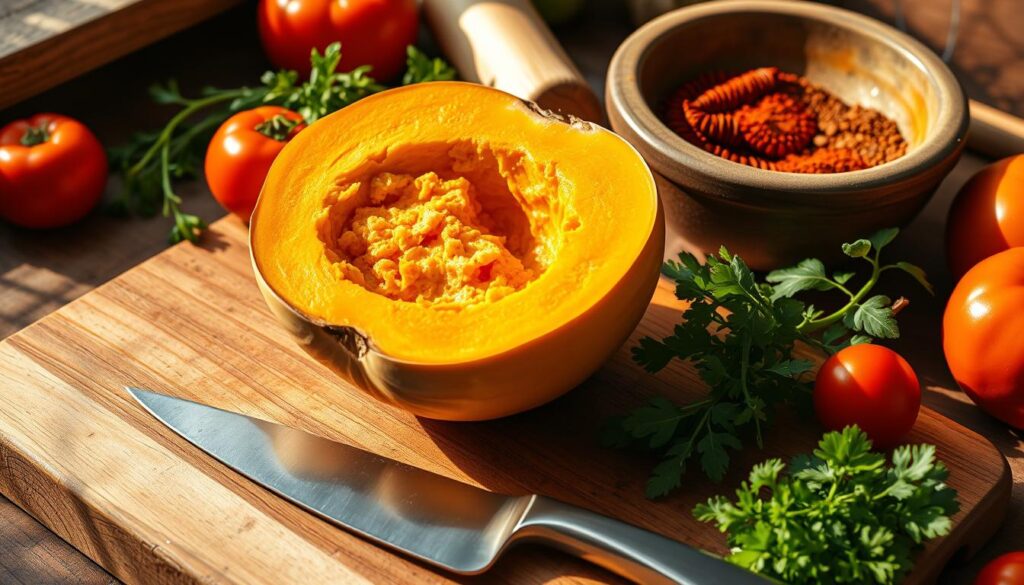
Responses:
[883,237]
[874,317]
[918,273]
[809,274]
[843,277]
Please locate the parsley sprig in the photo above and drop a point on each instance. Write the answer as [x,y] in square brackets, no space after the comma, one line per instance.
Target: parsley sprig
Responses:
[151,161]
[748,361]
[841,516]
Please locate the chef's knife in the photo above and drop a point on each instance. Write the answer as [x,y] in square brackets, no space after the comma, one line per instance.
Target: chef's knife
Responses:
[455,526]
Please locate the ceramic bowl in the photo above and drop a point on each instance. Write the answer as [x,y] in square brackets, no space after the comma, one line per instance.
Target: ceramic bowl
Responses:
[773,218]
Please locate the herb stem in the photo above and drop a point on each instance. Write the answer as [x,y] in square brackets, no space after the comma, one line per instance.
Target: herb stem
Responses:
[704,420]
[855,299]
[170,198]
[840,287]
[168,131]
[744,367]
[685,411]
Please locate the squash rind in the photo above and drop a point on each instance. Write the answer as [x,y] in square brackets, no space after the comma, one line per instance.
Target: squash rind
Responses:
[504,379]
[528,376]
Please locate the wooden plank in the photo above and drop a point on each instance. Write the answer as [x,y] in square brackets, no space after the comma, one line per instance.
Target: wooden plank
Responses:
[32,556]
[38,275]
[82,457]
[46,42]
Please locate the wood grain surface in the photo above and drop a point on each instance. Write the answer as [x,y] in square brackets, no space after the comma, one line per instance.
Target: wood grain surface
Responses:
[90,463]
[225,51]
[46,42]
[31,555]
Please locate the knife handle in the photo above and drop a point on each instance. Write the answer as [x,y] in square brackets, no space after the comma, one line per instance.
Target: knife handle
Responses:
[636,554]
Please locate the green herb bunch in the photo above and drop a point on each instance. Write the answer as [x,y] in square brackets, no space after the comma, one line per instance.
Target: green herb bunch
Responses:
[747,359]
[841,516]
[151,161]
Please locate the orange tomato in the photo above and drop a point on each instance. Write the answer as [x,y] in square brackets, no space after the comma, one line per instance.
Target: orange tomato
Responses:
[52,171]
[983,335]
[241,152]
[371,32]
[987,215]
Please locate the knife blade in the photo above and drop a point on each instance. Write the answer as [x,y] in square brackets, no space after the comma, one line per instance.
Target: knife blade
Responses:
[437,520]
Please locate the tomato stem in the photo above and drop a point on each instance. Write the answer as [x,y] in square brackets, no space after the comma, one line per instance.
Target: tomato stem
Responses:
[278,128]
[900,304]
[36,135]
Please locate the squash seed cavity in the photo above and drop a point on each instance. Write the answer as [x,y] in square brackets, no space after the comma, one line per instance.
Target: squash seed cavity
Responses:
[446,225]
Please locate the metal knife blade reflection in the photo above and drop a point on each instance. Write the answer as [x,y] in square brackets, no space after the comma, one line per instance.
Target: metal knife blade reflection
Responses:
[452,525]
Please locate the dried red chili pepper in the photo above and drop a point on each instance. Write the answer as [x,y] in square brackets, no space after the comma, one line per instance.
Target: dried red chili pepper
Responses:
[776,120]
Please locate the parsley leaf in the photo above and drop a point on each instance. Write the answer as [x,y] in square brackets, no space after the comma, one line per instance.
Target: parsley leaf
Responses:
[857,249]
[740,335]
[918,273]
[807,275]
[883,237]
[874,317]
[420,68]
[843,515]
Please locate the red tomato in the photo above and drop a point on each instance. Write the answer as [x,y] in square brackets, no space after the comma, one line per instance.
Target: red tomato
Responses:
[371,32]
[987,215]
[983,335]
[241,152]
[872,387]
[52,171]
[1005,570]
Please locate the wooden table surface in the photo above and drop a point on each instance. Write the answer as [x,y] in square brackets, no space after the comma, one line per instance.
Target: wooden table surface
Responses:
[41,271]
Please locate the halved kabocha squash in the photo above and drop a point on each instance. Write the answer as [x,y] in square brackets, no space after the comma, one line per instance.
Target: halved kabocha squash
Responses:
[455,251]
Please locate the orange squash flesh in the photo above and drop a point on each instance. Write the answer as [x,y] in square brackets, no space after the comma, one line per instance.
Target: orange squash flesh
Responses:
[540,220]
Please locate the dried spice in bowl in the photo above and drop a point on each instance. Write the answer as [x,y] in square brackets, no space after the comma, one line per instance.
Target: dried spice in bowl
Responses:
[779,121]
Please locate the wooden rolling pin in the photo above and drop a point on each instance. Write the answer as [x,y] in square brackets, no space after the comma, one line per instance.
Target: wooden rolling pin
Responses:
[506,45]
[995,133]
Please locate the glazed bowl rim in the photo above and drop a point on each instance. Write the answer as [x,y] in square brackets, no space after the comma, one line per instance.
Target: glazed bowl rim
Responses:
[682,161]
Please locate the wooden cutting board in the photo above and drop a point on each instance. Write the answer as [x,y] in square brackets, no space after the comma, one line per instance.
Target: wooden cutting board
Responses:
[79,454]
